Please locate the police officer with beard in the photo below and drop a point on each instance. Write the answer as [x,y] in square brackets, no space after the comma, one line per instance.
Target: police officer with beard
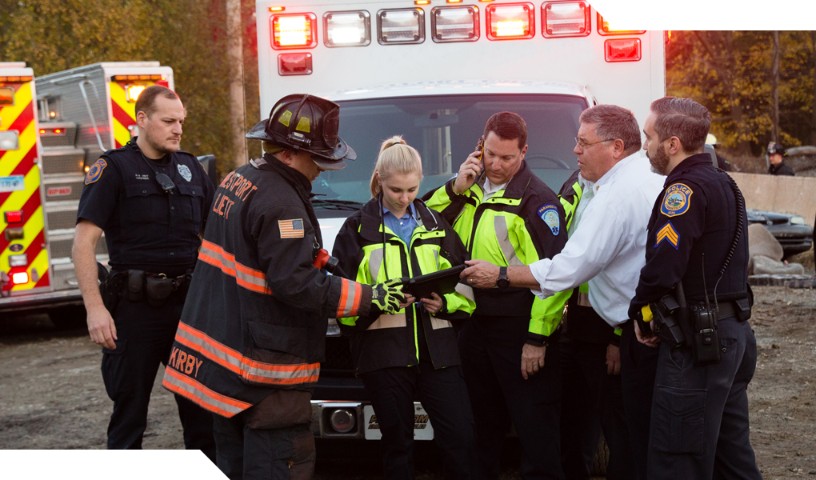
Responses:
[693,302]
[151,200]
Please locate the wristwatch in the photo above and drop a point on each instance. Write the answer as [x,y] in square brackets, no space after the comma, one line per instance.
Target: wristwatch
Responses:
[502,282]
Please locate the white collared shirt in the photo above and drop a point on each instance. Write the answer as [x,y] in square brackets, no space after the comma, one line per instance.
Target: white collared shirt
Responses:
[607,244]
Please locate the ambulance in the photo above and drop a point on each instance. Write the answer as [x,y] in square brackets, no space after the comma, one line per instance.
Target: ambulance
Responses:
[433,71]
[52,128]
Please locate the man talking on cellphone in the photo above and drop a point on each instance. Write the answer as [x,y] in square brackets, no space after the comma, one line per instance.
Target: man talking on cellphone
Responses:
[506,215]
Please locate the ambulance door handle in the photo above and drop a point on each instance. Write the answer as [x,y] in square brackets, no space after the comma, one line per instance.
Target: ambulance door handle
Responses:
[90,111]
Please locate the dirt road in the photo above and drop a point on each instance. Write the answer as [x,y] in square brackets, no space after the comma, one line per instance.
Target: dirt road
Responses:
[51,394]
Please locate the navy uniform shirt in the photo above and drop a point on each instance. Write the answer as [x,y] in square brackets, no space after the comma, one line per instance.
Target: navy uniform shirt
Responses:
[691,230]
[146,227]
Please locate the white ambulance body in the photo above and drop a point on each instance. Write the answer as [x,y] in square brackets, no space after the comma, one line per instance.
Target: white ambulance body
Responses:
[433,72]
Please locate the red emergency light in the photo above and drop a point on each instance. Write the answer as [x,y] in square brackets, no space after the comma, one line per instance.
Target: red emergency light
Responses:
[293,31]
[510,21]
[294,64]
[622,50]
[13,217]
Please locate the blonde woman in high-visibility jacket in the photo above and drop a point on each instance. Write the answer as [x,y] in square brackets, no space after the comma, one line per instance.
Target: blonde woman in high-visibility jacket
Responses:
[413,353]
[508,216]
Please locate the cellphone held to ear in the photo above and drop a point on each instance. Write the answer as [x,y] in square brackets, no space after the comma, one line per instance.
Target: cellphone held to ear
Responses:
[480,156]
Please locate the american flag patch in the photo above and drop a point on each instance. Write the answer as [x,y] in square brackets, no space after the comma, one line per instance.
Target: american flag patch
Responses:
[292,228]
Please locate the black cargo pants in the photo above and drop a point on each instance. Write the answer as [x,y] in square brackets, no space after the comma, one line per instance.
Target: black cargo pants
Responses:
[145,337]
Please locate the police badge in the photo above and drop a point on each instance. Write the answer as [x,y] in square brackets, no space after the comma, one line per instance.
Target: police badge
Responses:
[185,172]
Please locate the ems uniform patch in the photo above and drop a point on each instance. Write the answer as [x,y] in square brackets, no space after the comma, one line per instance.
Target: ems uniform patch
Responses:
[185,172]
[292,228]
[549,213]
[676,200]
[95,172]
[668,234]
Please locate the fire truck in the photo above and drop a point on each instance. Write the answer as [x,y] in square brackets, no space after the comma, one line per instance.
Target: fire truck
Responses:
[52,128]
[433,71]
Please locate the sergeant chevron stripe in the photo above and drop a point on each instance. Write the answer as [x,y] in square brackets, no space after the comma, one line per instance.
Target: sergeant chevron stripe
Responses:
[669,234]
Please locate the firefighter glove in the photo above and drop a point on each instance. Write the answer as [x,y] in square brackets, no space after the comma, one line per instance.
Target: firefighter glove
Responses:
[387,296]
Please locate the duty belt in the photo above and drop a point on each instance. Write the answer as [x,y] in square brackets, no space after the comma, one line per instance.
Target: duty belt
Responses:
[725,310]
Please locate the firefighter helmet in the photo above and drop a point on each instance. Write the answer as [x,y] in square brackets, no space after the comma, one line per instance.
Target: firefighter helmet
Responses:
[774,147]
[258,132]
[306,122]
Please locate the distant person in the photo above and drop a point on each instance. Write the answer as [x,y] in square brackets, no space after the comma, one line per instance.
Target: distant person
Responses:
[775,157]
[253,331]
[151,200]
[722,163]
[413,353]
[506,215]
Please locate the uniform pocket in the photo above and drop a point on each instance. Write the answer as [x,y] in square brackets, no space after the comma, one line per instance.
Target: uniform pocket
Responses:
[678,420]
[114,370]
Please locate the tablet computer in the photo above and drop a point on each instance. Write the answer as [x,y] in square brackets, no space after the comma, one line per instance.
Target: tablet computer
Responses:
[441,282]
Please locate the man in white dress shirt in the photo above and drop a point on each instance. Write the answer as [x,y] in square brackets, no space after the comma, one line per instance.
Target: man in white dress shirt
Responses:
[606,249]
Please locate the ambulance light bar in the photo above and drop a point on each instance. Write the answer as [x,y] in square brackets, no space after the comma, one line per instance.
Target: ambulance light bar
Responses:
[153,77]
[604,29]
[510,21]
[401,26]
[15,78]
[9,140]
[565,19]
[622,50]
[293,31]
[455,24]
[347,29]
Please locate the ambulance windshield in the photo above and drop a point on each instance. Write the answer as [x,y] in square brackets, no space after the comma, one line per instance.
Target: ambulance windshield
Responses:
[444,129]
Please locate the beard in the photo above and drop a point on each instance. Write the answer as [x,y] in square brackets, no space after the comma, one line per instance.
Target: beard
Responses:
[660,161]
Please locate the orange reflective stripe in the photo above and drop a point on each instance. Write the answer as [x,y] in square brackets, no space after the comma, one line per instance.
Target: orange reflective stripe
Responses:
[217,352]
[246,367]
[192,389]
[350,296]
[246,277]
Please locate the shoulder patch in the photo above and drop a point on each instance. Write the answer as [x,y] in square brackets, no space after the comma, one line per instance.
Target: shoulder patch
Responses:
[291,228]
[95,172]
[667,233]
[549,214]
[676,200]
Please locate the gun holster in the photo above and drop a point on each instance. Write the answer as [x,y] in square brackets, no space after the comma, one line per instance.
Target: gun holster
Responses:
[668,321]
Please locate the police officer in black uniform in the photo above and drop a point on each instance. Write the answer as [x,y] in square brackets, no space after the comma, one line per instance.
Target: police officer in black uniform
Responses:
[151,200]
[776,160]
[693,303]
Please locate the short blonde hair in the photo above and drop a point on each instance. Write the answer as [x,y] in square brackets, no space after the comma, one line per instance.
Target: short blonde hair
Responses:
[395,156]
